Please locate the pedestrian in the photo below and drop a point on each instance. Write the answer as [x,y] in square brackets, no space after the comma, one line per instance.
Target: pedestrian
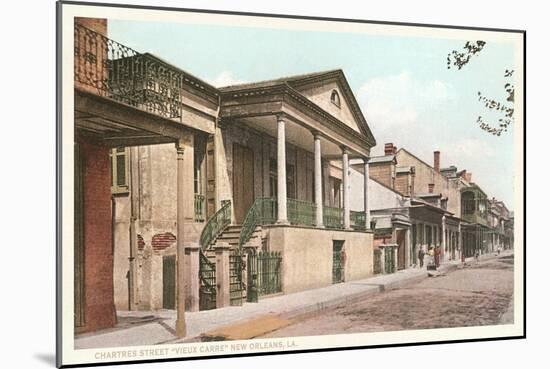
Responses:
[342,263]
[421,257]
[437,254]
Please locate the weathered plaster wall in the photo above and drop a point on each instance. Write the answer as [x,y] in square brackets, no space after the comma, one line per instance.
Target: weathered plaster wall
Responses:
[307,255]
[380,197]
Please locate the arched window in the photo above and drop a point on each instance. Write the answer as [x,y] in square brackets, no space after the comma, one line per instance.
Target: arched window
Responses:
[335,98]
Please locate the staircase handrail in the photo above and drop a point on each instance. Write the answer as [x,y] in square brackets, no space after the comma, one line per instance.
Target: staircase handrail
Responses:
[262,211]
[216,224]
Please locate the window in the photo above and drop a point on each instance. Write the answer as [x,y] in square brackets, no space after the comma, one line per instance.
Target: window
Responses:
[335,98]
[119,170]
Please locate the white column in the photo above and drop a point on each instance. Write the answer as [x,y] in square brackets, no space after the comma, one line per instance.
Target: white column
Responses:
[318,181]
[366,192]
[281,172]
[180,251]
[345,184]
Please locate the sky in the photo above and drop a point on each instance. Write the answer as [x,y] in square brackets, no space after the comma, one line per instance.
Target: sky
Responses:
[402,84]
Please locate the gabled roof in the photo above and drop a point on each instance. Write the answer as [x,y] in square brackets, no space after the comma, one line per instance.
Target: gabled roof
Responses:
[304,79]
[381,159]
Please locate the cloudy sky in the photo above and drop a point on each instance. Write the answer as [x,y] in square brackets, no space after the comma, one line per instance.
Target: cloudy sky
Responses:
[403,86]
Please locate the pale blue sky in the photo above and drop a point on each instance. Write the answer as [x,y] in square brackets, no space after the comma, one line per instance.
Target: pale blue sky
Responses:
[405,90]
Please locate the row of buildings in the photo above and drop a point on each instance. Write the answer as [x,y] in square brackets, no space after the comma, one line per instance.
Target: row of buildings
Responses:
[193,197]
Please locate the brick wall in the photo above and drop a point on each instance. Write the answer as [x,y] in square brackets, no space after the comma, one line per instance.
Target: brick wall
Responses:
[98,253]
[382,173]
[402,183]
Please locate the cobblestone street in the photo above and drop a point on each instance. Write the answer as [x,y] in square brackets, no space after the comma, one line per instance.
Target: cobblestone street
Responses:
[479,294]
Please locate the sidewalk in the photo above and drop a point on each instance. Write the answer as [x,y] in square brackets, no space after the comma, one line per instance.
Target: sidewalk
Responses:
[148,328]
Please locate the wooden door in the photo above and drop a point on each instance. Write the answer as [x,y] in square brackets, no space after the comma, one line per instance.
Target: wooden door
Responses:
[243,181]
[169,282]
[401,249]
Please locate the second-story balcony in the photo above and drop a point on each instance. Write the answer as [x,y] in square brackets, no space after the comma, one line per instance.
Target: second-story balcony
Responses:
[110,69]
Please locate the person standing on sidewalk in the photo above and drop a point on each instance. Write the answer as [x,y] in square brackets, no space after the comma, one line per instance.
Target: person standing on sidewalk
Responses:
[421,257]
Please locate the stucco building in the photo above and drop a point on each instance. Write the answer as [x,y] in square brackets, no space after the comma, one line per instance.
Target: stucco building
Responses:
[179,182]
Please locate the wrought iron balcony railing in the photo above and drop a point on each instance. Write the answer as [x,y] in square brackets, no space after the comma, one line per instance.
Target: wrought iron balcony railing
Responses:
[357,220]
[333,217]
[113,70]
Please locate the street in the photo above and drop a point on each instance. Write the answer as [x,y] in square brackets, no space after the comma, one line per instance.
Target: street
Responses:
[479,294]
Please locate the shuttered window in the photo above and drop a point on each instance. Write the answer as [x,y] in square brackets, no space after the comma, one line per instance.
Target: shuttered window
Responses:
[119,170]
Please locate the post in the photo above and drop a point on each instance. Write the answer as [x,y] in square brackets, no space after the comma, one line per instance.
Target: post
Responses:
[222,275]
[281,171]
[134,193]
[443,238]
[192,277]
[180,253]
[366,192]
[318,182]
[345,184]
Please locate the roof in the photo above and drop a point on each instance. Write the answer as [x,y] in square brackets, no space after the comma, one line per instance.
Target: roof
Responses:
[274,82]
[406,169]
[303,79]
[428,194]
[381,159]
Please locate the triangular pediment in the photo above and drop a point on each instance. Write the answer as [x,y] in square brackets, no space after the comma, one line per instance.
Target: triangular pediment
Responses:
[320,87]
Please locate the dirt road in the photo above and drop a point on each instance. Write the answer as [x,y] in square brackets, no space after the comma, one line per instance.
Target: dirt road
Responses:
[479,294]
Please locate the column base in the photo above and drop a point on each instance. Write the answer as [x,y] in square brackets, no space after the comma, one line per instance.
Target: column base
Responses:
[282,222]
[180,328]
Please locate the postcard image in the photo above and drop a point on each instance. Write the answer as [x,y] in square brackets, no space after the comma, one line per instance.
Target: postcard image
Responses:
[236,184]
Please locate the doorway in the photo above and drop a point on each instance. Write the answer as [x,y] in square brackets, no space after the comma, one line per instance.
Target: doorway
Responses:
[169,282]
[400,238]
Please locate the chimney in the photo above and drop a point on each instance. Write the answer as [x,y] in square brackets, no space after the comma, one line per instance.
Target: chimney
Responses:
[389,149]
[431,187]
[468,177]
[436,161]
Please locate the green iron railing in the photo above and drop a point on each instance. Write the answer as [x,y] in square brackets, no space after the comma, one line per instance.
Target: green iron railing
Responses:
[216,224]
[207,280]
[301,212]
[333,217]
[262,211]
[357,220]
[264,274]
[199,208]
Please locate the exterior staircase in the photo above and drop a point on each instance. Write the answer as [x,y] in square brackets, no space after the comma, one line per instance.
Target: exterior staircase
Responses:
[231,234]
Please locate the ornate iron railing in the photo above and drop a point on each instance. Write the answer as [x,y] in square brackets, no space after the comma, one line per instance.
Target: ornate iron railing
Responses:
[236,285]
[357,220]
[116,71]
[333,217]
[216,224]
[377,267]
[207,280]
[199,208]
[263,211]
[264,274]
[301,212]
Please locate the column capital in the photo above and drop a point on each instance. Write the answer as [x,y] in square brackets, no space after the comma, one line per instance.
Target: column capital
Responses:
[365,159]
[180,146]
[281,117]
[316,134]
[345,149]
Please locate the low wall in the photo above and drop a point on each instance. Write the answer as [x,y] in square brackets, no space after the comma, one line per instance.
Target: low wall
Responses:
[307,255]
